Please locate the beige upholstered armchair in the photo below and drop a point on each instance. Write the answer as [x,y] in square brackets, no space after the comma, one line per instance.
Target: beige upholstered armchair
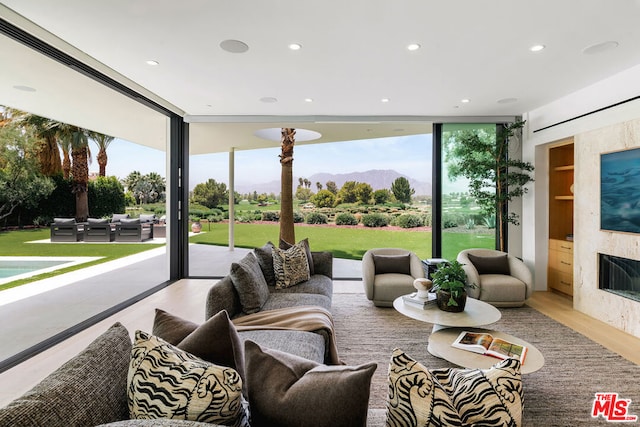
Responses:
[388,273]
[501,279]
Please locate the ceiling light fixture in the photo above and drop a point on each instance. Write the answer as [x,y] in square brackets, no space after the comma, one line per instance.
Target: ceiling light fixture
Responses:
[308,100]
[384,100]
[295,46]
[537,47]
[24,88]
[234,46]
[600,47]
[152,62]
[465,101]
[268,99]
[413,46]
[507,100]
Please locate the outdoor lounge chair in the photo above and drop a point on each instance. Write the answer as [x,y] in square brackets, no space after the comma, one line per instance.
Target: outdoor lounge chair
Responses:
[99,230]
[132,230]
[66,230]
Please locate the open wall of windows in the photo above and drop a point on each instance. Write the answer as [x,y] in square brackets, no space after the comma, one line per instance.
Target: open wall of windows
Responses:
[464,224]
[349,196]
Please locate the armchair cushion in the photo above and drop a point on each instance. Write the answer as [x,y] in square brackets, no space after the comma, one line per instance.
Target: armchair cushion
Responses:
[454,396]
[490,264]
[250,284]
[283,388]
[400,264]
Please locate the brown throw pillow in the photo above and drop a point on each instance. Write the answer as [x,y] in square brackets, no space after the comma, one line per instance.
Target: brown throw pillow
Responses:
[307,250]
[284,388]
[291,266]
[250,284]
[265,260]
[490,264]
[400,264]
[216,340]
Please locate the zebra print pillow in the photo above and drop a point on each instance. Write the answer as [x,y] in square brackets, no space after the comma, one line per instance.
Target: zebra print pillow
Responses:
[453,397]
[290,266]
[166,382]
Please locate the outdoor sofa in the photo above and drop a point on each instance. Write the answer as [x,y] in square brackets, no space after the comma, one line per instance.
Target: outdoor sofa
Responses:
[67,230]
[99,230]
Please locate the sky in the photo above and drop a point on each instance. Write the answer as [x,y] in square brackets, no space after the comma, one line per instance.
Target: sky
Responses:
[408,155]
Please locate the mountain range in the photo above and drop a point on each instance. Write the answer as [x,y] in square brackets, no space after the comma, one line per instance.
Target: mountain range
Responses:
[377,178]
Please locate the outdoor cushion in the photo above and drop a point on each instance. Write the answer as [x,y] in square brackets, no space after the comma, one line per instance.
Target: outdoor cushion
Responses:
[130,221]
[284,388]
[147,217]
[64,221]
[249,282]
[166,382]
[118,217]
[97,221]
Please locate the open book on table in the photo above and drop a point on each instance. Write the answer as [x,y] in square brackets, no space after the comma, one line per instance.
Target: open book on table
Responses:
[485,343]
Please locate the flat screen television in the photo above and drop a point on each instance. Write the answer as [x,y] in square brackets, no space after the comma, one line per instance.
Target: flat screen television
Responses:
[620,191]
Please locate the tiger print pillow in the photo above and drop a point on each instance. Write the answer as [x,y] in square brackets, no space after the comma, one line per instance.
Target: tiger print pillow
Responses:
[453,397]
[166,382]
[290,266]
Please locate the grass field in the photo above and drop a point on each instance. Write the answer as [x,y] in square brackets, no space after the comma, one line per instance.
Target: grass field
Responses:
[348,243]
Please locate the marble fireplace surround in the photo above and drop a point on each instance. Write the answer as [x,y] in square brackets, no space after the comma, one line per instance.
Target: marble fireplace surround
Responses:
[590,240]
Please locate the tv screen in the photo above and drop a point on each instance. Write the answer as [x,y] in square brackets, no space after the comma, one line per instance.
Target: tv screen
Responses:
[620,191]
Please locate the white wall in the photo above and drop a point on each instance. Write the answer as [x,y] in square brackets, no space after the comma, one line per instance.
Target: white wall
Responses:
[614,128]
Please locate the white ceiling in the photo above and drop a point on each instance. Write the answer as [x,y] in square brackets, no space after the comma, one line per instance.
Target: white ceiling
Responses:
[353,54]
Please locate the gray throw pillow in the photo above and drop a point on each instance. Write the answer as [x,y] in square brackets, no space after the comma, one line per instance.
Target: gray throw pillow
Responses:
[88,390]
[130,221]
[490,264]
[400,264]
[265,259]
[287,390]
[250,284]
[97,221]
[64,221]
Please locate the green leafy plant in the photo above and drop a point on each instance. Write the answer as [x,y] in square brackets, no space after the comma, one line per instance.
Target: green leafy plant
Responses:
[375,220]
[450,277]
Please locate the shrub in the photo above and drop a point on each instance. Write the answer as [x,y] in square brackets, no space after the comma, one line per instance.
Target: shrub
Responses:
[375,220]
[408,221]
[449,224]
[298,217]
[316,218]
[273,216]
[345,218]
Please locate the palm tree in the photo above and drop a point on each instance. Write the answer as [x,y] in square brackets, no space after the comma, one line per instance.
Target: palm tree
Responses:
[78,139]
[102,141]
[65,146]
[287,232]
[46,132]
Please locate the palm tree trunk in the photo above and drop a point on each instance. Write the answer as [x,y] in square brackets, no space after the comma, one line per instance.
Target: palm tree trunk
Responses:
[80,174]
[287,231]
[102,161]
[66,164]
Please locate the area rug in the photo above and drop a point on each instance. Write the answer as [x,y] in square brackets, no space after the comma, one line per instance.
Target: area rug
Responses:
[560,394]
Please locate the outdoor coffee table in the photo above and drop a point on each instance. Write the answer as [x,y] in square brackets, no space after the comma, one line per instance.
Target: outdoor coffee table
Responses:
[447,326]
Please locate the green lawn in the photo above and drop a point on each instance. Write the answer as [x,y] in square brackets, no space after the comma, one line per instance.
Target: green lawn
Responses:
[16,243]
[348,243]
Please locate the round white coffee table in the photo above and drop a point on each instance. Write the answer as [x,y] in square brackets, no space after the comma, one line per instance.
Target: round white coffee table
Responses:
[440,344]
[476,313]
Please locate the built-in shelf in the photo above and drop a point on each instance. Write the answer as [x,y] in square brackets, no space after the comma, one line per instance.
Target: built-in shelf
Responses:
[563,168]
[564,197]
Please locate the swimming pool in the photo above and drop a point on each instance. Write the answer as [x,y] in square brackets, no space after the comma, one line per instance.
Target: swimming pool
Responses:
[16,268]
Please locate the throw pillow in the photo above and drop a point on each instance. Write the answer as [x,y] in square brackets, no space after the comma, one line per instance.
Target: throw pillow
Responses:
[284,388]
[64,221]
[265,260]
[400,264]
[166,382]
[216,340]
[250,284]
[307,250]
[455,397]
[97,221]
[131,221]
[490,264]
[291,266]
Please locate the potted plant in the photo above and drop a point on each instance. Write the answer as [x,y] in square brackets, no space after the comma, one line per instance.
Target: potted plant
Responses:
[196,226]
[449,281]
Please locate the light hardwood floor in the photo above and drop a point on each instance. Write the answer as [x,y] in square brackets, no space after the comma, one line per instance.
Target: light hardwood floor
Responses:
[185,299]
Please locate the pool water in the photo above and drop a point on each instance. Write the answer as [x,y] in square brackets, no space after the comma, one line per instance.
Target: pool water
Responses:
[15,268]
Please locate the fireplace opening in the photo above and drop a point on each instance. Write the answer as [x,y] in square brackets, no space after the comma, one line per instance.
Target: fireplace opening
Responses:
[620,276]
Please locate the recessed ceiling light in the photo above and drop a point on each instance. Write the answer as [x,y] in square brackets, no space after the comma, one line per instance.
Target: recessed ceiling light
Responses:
[507,100]
[268,99]
[308,100]
[385,100]
[234,46]
[152,62]
[24,88]
[537,47]
[600,47]
[413,46]
[295,46]
[465,101]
